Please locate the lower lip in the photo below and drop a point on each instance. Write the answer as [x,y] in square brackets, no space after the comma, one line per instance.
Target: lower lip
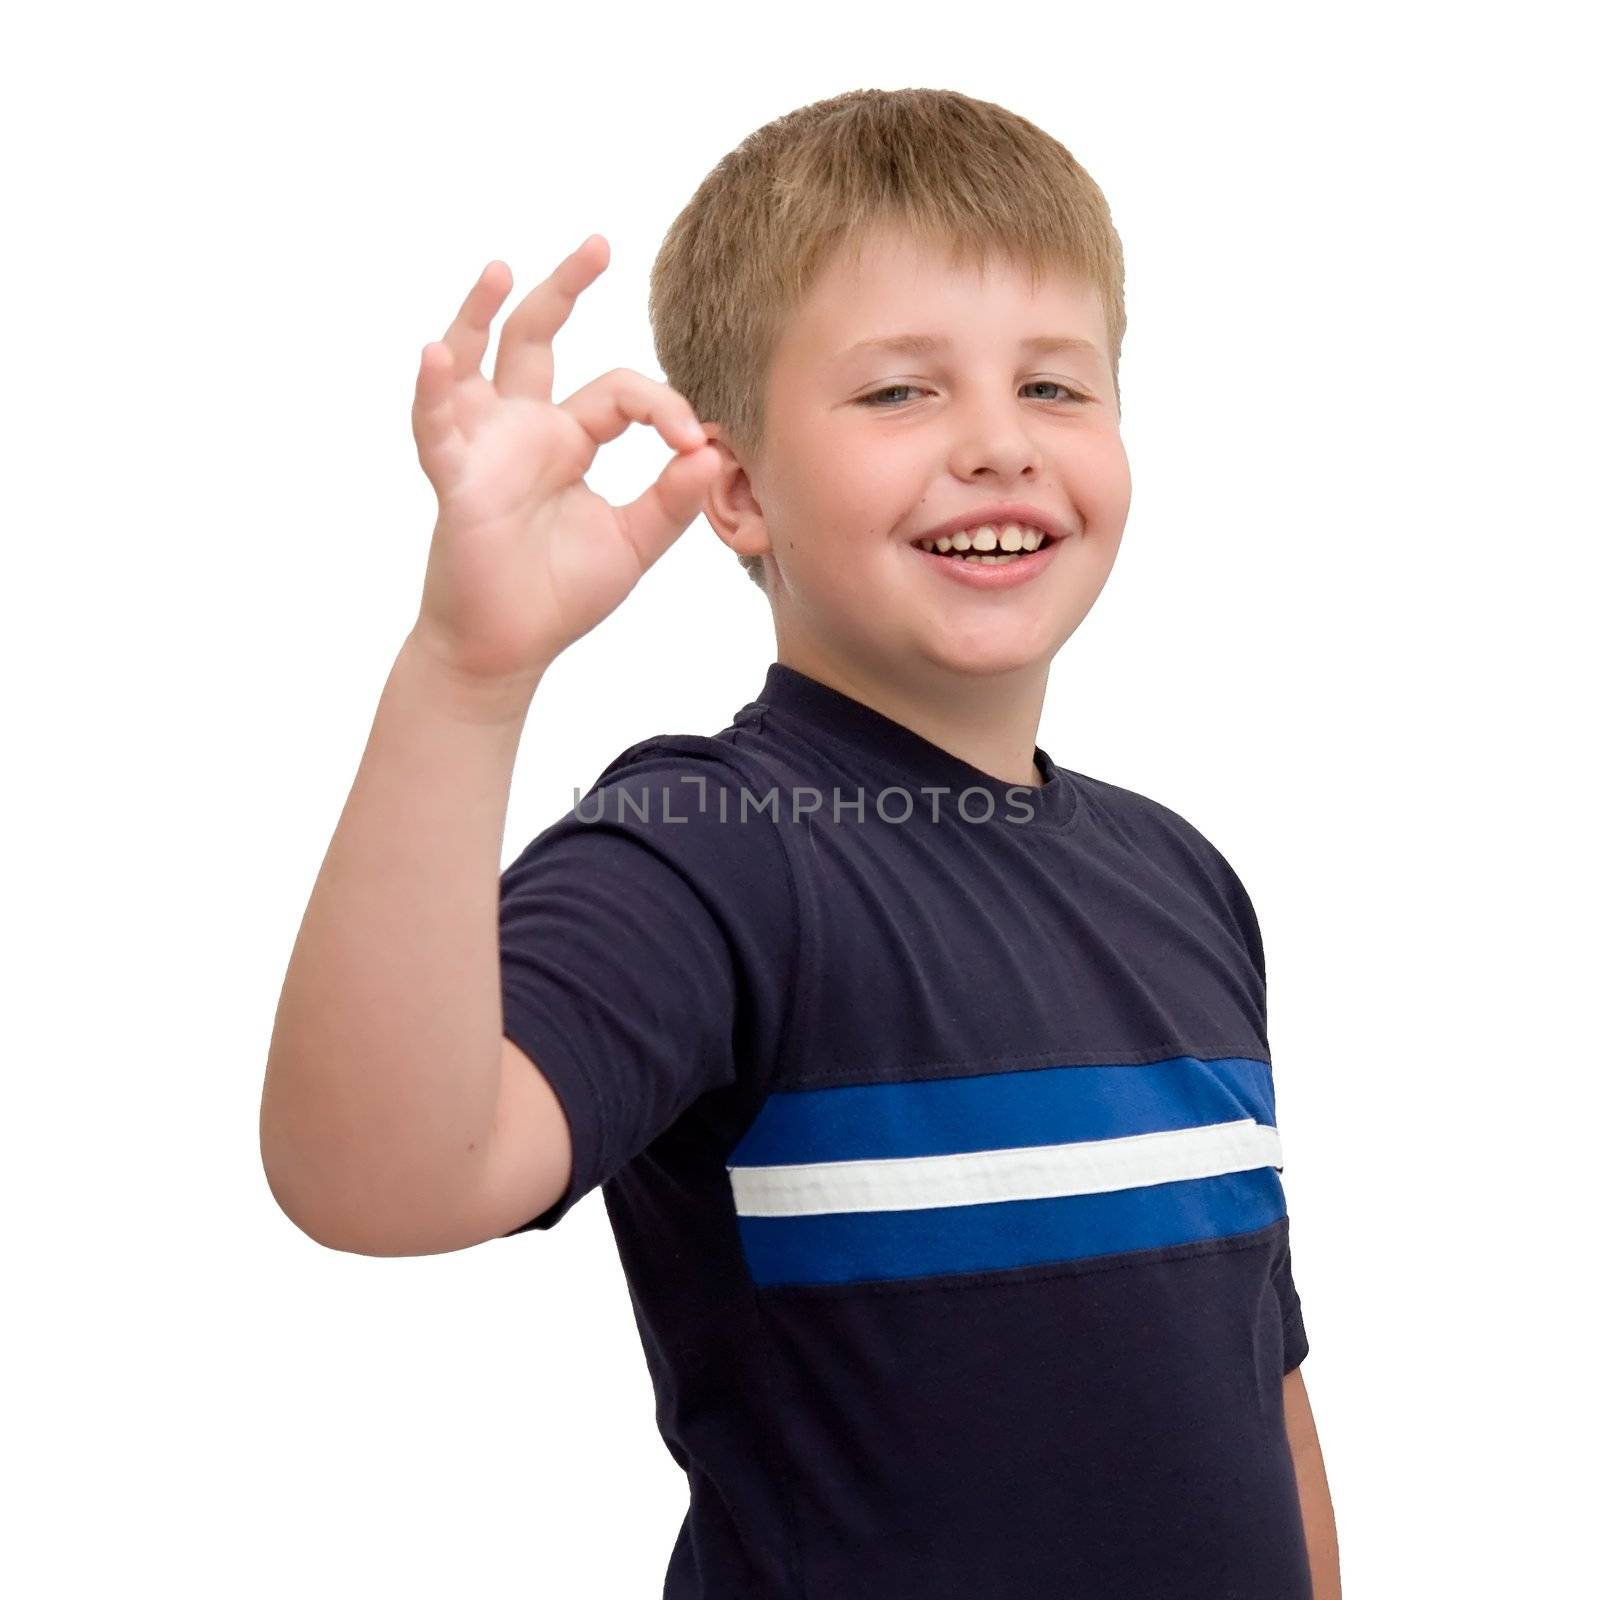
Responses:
[984,575]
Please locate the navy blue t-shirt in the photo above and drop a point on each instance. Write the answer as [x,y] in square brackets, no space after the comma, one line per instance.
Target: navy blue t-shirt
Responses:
[934,1119]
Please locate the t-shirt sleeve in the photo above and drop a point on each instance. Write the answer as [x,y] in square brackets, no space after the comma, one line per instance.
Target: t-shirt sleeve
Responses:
[1243,913]
[1295,1344]
[646,947]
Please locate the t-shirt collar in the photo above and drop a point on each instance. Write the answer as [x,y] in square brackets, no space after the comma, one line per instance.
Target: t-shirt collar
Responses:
[911,760]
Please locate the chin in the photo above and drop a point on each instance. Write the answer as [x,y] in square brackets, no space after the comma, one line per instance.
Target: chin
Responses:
[989,658]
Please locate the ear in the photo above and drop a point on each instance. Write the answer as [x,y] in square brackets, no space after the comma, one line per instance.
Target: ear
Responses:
[730,504]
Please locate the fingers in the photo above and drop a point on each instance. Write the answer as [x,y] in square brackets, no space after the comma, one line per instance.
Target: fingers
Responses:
[524,363]
[606,407]
[670,504]
[433,419]
[468,335]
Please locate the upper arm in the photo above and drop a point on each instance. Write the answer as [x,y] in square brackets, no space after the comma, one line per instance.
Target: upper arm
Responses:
[1297,1420]
[526,1163]
[1311,1480]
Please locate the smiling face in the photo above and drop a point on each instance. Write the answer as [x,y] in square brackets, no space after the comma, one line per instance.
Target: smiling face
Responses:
[869,448]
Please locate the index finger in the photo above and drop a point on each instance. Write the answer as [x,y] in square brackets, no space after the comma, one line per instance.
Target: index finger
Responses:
[524,363]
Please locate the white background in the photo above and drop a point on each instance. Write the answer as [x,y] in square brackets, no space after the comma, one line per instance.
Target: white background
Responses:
[1346,637]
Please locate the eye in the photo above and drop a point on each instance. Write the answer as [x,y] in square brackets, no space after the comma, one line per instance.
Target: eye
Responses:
[893,388]
[1050,383]
[874,399]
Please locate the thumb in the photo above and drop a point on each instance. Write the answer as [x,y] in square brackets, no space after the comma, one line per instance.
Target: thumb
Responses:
[670,504]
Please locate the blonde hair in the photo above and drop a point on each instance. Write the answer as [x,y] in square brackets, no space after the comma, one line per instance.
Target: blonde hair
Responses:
[951,171]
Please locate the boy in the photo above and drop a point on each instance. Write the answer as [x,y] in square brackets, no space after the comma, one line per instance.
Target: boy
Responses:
[927,1081]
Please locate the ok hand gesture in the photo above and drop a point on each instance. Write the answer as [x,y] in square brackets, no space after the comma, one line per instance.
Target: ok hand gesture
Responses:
[525,557]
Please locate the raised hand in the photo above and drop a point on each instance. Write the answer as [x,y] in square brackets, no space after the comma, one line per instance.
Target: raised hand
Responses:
[525,557]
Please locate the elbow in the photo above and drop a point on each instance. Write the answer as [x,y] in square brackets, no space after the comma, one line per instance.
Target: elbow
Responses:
[291,1184]
[290,1200]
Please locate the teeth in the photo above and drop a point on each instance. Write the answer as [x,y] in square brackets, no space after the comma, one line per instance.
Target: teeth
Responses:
[1010,538]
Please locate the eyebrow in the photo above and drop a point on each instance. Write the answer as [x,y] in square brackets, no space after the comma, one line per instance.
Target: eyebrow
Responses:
[927,344]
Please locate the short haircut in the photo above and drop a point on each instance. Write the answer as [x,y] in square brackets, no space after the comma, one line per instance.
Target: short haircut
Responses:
[951,171]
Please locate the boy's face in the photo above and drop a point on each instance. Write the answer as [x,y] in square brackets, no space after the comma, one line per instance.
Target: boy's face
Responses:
[846,483]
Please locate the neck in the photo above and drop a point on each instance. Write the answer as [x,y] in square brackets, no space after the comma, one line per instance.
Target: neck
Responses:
[990,722]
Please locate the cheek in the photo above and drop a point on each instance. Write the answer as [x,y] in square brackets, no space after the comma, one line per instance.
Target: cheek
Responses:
[828,462]
[851,464]
[1101,481]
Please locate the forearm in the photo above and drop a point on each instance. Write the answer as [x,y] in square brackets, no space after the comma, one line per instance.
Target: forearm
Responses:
[1316,1503]
[384,1066]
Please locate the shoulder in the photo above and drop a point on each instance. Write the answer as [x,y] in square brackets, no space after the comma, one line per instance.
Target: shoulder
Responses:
[1143,816]
[665,759]
[687,787]
[686,802]
[1170,841]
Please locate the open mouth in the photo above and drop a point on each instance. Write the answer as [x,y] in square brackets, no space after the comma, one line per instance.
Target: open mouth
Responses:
[991,545]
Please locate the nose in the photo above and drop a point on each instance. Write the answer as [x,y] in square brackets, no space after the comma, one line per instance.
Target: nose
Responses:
[994,438]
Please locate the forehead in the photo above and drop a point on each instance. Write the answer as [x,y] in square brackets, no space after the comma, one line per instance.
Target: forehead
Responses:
[902,298]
